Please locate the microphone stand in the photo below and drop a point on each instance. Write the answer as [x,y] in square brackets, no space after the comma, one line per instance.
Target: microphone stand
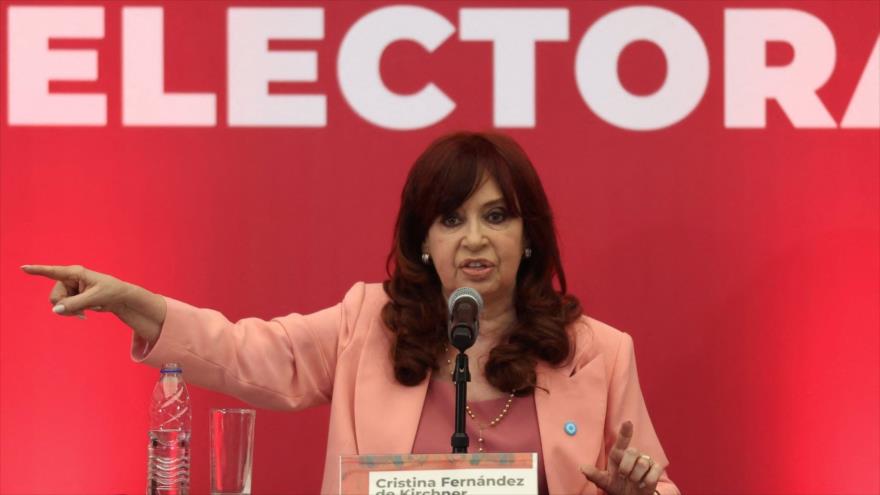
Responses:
[460,377]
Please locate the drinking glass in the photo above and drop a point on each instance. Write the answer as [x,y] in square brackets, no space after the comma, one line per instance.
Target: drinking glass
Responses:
[232,450]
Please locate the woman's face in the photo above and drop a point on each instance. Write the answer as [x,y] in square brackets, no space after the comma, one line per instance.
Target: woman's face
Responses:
[479,245]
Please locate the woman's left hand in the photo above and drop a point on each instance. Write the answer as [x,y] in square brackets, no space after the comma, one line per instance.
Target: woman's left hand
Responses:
[629,471]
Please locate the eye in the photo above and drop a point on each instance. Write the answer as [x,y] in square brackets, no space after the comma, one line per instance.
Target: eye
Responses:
[497,215]
[451,220]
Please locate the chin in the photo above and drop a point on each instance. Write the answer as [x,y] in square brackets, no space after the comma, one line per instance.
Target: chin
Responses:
[486,288]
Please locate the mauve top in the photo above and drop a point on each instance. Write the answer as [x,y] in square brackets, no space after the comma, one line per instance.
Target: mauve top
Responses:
[517,432]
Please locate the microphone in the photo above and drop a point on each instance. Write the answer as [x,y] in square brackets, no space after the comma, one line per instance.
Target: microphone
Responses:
[465,305]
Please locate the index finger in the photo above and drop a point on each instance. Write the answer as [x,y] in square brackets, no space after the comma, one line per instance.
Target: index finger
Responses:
[49,271]
[625,435]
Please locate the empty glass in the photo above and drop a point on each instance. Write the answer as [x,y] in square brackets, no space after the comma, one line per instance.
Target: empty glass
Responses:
[232,450]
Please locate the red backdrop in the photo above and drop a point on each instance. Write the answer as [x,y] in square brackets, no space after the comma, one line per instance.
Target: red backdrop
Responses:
[743,261]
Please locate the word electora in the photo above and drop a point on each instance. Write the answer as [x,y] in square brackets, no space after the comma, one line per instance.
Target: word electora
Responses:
[748,81]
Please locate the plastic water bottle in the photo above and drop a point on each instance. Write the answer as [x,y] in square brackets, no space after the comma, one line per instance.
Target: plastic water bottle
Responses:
[170,427]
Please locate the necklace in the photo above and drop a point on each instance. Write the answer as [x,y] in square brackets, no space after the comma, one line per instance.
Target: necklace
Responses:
[473,416]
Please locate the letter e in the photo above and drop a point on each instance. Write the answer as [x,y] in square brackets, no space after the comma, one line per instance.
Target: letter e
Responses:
[252,66]
[32,65]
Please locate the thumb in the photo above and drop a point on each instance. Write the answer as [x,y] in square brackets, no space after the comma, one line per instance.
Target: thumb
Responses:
[602,479]
[74,304]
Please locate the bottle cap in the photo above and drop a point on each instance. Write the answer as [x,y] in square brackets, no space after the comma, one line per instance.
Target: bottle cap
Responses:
[171,368]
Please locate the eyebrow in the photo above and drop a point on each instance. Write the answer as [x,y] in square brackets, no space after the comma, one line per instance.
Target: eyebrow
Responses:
[495,202]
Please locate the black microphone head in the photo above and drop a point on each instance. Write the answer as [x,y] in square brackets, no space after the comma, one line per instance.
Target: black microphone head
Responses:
[465,305]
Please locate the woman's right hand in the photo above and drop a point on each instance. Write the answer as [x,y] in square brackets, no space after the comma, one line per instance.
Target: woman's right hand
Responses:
[78,289]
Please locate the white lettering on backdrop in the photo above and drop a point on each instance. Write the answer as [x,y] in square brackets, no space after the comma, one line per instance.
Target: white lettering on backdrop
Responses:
[252,66]
[144,100]
[687,70]
[32,65]
[748,82]
[358,67]
[864,106]
[513,33]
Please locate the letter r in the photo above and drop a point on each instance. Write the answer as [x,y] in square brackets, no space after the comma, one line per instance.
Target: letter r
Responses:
[749,82]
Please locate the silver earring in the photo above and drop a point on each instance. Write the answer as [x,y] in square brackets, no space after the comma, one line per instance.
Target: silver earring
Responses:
[426,258]
[527,252]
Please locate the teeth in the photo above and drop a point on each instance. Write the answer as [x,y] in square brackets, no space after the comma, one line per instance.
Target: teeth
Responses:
[475,264]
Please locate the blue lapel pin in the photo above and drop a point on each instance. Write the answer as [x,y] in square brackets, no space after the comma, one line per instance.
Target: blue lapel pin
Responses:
[571,428]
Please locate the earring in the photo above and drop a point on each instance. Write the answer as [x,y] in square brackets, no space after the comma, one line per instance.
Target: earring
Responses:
[527,252]
[426,258]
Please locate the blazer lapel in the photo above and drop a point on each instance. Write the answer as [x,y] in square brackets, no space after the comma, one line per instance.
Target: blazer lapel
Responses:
[579,399]
[386,413]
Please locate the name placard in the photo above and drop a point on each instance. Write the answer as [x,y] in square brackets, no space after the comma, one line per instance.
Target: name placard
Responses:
[439,474]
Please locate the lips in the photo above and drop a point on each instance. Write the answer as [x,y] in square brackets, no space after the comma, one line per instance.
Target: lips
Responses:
[476,263]
[476,269]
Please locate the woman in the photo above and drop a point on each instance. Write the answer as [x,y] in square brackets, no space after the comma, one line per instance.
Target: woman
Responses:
[545,378]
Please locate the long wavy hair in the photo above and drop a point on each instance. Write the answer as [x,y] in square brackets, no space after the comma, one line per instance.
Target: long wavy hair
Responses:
[441,179]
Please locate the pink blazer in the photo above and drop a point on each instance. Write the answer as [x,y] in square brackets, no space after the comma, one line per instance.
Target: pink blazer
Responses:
[297,361]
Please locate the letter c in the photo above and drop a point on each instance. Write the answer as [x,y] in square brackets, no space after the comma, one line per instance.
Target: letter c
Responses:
[358,67]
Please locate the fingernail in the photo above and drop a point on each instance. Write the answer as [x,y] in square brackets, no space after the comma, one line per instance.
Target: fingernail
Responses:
[58,309]
[81,316]
[25,267]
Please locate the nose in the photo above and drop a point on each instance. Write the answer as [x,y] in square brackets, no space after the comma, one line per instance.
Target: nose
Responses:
[474,237]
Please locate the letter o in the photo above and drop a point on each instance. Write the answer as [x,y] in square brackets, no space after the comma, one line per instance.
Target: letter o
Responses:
[687,72]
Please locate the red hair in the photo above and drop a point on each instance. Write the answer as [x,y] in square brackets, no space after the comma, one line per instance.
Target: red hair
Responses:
[441,179]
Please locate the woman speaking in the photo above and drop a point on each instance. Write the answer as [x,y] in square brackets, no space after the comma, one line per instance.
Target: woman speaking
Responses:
[546,378]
